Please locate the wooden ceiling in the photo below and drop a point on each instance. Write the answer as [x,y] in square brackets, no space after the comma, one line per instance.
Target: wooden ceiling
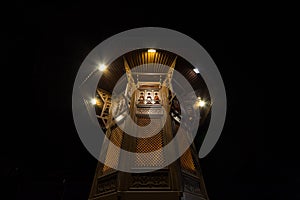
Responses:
[160,59]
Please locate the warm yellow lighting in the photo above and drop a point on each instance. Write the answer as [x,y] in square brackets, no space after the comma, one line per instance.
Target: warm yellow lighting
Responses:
[151,50]
[102,67]
[202,103]
[94,101]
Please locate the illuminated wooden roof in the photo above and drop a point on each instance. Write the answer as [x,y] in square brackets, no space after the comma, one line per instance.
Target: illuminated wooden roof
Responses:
[161,58]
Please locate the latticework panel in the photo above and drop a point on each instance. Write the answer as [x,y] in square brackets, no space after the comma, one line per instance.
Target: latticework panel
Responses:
[151,144]
[153,130]
[113,154]
[187,162]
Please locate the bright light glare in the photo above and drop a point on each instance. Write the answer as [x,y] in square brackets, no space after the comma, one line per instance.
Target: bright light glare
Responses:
[102,67]
[151,50]
[196,70]
[202,103]
[94,101]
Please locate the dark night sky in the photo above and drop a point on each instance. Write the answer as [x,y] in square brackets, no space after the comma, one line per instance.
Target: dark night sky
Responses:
[54,39]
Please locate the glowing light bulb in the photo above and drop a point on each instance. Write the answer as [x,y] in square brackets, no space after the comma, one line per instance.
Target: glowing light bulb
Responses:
[151,50]
[196,70]
[202,103]
[94,101]
[102,67]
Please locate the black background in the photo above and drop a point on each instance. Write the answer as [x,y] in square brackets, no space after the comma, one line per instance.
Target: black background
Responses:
[43,155]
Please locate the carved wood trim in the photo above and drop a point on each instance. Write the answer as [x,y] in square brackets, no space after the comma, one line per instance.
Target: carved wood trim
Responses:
[158,180]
